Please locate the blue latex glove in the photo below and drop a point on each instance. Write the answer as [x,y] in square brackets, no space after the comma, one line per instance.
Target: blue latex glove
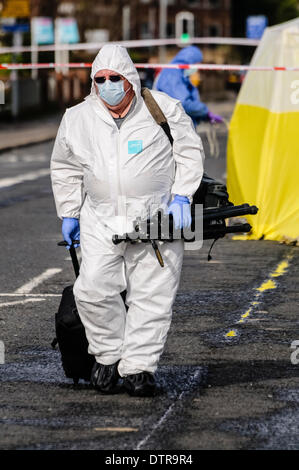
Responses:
[214,118]
[70,230]
[181,211]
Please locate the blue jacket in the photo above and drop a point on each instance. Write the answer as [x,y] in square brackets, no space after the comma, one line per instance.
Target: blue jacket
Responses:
[175,84]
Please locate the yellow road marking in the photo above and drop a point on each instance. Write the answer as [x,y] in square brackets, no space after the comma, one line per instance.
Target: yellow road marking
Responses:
[231,333]
[246,314]
[268,284]
[116,429]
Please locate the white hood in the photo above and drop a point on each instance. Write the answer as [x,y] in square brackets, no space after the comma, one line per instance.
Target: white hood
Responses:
[116,58]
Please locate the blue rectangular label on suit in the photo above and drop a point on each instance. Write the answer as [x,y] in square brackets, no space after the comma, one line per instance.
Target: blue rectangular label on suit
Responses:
[134,146]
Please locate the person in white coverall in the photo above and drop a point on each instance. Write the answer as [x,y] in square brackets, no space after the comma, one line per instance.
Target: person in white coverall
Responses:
[110,163]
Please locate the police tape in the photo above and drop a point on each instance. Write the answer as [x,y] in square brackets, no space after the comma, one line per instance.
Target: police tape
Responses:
[89,46]
[218,67]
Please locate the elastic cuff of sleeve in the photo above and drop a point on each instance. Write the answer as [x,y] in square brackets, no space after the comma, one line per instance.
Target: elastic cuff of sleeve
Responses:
[188,196]
[73,215]
[182,198]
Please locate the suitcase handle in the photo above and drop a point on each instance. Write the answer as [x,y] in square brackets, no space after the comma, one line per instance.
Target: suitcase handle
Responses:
[73,255]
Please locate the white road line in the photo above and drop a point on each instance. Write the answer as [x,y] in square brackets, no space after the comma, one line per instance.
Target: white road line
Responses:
[12,158]
[18,302]
[29,286]
[10,294]
[32,175]
[157,425]
[166,414]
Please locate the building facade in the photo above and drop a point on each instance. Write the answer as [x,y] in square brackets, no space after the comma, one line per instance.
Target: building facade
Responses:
[117,20]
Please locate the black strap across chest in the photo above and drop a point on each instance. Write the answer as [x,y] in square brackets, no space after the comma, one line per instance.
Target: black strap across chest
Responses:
[156,112]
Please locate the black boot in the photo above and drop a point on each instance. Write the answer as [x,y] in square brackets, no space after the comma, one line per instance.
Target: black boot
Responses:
[140,385]
[105,378]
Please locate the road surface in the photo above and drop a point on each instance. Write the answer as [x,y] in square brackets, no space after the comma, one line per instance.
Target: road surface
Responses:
[226,376]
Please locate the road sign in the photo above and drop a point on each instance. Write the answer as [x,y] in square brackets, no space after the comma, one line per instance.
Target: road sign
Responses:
[15,28]
[42,30]
[255,26]
[67,30]
[16,9]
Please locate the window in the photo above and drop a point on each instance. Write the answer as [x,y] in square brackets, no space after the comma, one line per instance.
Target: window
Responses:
[194,3]
[170,30]
[144,31]
[215,30]
[215,3]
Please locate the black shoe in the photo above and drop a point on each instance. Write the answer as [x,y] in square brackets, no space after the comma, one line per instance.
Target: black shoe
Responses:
[105,378]
[140,385]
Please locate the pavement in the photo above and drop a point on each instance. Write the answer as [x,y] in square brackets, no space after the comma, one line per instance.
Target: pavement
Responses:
[37,130]
[226,375]
[27,132]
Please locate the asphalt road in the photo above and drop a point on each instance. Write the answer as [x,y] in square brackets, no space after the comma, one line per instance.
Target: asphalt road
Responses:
[226,375]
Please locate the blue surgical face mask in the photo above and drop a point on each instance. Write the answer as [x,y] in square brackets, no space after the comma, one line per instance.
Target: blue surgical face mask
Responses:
[188,72]
[112,93]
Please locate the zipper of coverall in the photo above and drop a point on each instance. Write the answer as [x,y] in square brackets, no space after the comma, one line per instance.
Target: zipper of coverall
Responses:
[120,192]
[118,170]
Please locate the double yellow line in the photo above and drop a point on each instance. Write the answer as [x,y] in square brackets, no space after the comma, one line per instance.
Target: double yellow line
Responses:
[266,285]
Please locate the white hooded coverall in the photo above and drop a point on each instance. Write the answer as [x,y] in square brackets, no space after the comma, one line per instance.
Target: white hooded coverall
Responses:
[106,176]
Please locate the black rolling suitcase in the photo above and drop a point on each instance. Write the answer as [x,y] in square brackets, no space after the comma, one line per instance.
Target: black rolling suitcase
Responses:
[70,333]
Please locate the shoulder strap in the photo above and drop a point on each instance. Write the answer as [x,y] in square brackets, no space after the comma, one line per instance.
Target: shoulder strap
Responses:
[156,112]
